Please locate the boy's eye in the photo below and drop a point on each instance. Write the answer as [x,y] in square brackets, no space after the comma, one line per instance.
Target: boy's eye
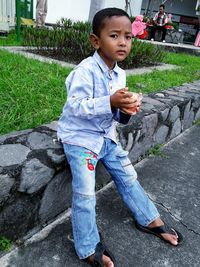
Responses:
[128,37]
[114,36]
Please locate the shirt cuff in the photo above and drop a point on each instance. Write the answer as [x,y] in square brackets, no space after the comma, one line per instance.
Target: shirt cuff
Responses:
[102,105]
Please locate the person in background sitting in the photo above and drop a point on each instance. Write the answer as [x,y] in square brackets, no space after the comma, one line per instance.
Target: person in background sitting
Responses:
[160,20]
[139,27]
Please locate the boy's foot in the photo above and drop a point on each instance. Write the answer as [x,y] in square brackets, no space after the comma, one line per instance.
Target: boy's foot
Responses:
[171,238]
[107,262]
[102,257]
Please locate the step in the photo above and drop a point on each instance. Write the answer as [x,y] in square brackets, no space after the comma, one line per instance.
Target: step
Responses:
[171,181]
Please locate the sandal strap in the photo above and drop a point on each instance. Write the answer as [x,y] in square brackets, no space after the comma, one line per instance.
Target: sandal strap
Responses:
[163,229]
[99,251]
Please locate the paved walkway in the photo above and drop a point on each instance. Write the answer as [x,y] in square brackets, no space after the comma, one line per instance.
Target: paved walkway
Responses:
[172,181]
[185,48]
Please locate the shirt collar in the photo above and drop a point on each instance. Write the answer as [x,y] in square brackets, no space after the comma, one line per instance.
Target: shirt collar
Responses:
[103,65]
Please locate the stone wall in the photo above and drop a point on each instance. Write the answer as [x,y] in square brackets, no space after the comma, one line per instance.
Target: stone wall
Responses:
[35,179]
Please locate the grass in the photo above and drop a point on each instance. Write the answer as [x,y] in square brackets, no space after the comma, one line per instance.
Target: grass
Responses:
[5,244]
[33,93]
[160,80]
[156,151]
[197,122]
[10,40]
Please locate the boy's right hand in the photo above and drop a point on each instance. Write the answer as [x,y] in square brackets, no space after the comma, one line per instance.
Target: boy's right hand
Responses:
[122,99]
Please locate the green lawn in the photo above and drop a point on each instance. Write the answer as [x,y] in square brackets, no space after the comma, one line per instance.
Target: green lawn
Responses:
[160,80]
[10,40]
[33,93]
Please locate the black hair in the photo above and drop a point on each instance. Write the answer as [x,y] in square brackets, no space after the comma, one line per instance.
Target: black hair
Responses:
[100,16]
[162,6]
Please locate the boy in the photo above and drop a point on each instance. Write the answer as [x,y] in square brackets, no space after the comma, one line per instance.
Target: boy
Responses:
[96,97]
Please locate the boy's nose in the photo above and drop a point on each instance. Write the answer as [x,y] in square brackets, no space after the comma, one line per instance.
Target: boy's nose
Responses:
[122,41]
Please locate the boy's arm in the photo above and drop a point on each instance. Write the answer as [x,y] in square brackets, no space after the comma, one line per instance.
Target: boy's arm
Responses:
[81,98]
[121,117]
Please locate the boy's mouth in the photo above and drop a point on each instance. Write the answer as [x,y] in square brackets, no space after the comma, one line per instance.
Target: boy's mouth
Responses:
[121,52]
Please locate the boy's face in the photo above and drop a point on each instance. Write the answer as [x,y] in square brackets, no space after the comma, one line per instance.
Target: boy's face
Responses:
[114,42]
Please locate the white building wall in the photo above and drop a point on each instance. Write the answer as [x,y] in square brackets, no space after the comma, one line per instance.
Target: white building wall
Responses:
[71,9]
[7,14]
[75,9]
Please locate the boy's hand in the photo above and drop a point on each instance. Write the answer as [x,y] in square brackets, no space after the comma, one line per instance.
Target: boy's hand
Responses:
[122,99]
[127,102]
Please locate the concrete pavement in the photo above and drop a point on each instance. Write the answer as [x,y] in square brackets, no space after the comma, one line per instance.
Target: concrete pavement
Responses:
[172,182]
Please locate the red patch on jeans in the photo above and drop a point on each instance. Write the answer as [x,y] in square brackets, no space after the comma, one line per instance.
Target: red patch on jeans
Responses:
[90,166]
[89,159]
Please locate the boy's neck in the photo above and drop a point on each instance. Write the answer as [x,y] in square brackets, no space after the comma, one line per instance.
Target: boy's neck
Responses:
[112,66]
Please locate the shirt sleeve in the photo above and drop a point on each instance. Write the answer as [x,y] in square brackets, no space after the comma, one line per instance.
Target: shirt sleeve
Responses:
[121,117]
[155,17]
[80,89]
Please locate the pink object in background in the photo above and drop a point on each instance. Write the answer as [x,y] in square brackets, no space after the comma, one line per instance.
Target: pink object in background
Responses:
[197,41]
[138,26]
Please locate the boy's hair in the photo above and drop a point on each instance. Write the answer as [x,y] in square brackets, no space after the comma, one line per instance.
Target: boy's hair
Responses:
[100,16]
[162,6]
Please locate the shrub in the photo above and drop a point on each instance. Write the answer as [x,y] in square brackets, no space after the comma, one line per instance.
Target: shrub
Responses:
[69,41]
[142,54]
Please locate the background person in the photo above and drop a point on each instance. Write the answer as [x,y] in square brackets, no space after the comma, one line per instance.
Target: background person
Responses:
[139,27]
[160,20]
[41,12]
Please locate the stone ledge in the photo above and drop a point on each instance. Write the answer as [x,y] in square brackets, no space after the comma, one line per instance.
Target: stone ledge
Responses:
[35,178]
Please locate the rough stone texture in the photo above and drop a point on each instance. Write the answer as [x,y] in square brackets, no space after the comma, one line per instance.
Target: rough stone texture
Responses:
[163,114]
[6,184]
[53,125]
[186,115]
[149,125]
[174,114]
[35,179]
[57,196]
[13,135]
[176,129]
[161,134]
[41,141]
[17,219]
[13,154]
[56,158]
[34,176]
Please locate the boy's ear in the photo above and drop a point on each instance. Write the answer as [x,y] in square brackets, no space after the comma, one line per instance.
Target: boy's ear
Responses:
[94,41]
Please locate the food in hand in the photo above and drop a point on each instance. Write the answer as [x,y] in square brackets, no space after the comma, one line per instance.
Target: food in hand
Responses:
[137,97]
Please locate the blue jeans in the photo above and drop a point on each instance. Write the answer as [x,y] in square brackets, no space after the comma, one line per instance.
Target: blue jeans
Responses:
[83,163]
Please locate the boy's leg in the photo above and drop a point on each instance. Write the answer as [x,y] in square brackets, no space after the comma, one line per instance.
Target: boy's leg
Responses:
[125,178]
[124,175]
[85,233]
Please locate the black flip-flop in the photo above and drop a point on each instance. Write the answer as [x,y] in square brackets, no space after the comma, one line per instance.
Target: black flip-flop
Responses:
[157,231]
[99,252]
